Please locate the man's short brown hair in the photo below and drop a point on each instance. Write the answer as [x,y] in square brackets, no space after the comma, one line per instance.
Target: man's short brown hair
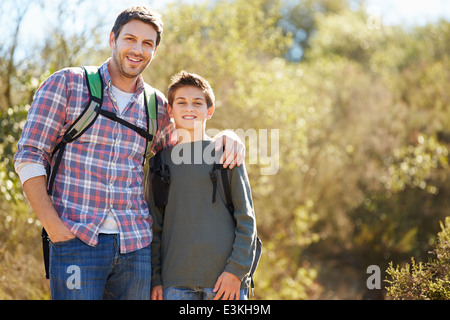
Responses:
[143,14]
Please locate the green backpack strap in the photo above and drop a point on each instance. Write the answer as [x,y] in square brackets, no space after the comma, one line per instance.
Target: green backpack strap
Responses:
[81,123]
[151,104]
[90,113]
[152,109]
[94,82]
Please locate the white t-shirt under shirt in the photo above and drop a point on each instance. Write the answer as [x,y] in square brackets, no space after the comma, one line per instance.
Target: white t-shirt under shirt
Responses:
[30,170]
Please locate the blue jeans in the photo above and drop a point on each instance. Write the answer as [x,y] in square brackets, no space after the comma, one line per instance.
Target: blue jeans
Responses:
[195,293]
[81,272]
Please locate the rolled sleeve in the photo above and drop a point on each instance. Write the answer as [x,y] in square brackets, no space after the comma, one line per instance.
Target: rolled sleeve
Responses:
[27,171]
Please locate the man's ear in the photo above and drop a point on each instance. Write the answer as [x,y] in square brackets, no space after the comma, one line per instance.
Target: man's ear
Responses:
[210,112]
[112,40]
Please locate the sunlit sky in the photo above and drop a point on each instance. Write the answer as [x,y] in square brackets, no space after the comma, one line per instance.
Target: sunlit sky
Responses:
[403,12]
[411,11]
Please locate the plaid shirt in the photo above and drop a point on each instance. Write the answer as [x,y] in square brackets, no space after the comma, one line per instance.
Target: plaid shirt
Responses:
[102,170]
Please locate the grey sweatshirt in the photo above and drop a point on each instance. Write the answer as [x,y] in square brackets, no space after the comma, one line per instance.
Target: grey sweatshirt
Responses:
[195,240]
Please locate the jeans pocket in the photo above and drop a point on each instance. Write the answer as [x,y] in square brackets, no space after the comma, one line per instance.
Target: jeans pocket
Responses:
[64,242]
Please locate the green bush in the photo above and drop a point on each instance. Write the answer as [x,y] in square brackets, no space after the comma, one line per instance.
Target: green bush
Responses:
[424,281]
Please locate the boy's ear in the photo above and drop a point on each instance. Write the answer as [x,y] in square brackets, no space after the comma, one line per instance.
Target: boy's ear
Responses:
[210,112]
[170,110]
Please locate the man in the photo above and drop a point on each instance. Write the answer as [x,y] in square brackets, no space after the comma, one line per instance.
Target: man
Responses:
[96,215]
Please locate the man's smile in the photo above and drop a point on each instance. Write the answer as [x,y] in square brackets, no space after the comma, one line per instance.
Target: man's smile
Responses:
[134,59]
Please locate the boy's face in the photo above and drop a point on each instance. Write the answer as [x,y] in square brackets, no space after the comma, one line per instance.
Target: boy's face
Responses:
[189,109]
[134,48]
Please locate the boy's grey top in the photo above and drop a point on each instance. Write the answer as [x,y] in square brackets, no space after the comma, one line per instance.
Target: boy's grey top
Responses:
[195,240]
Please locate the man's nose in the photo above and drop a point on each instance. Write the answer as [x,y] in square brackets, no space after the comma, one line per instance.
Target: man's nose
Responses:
[137,48]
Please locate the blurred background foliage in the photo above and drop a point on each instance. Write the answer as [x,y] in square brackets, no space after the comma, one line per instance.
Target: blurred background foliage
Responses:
[363,113]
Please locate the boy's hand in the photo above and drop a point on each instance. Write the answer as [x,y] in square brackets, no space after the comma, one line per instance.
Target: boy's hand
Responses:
[157,293]
[227,287]
[234,153]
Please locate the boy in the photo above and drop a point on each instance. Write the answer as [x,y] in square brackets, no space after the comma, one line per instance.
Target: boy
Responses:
[199,251]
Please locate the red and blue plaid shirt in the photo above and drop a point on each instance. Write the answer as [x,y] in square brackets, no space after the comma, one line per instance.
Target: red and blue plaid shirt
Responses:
[102,170]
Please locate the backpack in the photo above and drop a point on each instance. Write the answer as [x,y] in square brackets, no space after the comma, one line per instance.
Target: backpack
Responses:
[86,119]
[160,181]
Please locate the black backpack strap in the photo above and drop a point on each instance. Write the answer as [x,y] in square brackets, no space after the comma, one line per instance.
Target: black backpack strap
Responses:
[227,189]
[46,252]
[160,180]
[213,176]
[113,116]
[225,183]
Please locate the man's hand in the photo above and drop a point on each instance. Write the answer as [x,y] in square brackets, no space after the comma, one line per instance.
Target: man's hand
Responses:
[36,191]
[227,287]
[60,233]
[157,293]
[234,153]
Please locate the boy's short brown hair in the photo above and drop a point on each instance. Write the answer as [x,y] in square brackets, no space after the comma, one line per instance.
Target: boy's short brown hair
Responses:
[143,14]
[186,79]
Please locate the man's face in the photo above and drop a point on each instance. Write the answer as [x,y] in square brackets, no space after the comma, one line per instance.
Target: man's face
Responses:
[134,48]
